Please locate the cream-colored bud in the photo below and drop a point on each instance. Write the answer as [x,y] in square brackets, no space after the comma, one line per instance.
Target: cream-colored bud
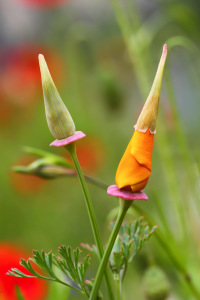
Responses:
[59,120]
[148,116]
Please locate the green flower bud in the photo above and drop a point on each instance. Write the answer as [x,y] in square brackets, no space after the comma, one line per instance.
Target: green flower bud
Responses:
[117,259]
[59,120]
[156,284]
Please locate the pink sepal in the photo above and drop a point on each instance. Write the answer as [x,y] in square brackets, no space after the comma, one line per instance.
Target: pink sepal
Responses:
[73,138]
[113,190]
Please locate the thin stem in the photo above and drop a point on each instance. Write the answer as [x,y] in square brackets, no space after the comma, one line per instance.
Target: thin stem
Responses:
[180,134]
[96,181]
[162,215]
[91,213]
[70,286]
[119,288]
[124,206]
[137,58]
[174,255]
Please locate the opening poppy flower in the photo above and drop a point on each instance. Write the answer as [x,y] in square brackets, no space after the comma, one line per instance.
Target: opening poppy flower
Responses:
[31,289]
[135,166]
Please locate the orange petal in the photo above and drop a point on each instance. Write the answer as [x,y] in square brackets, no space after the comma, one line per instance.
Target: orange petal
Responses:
[135,166]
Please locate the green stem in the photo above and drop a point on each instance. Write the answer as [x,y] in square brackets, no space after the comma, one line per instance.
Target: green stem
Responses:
[96,182]
[138,59]
[119,288]
[173,254]
[124,206]
[72,150]
[180,134]
[174,257]
[162,215]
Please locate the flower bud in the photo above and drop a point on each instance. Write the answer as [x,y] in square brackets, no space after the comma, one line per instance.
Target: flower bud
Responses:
[155,283]
[117,259]
[46,168]
[135,166]
[59,120]
[148,115]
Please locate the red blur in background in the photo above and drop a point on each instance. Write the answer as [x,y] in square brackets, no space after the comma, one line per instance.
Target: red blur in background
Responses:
[31,289]
[23,183]
[91,154]
[43,3]
[20,80]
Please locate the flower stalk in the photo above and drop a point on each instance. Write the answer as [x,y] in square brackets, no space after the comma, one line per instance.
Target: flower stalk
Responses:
[124,206]
[62,127]
[72,151]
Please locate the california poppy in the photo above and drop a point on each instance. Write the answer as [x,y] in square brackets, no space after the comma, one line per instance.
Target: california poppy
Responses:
[135,166]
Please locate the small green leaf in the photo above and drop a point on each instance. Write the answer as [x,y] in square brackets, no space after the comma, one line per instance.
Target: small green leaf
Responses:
[132,236]
[89,284]
[92,248]
[48,263]
[19,293]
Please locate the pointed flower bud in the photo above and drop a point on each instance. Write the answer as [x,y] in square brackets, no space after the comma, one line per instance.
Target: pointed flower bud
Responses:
[148,116]
[59,120]
[135,166]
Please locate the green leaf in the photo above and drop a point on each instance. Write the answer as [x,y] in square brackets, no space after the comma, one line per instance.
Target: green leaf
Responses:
[19,293]
[72,272]
[57,290]
[132,237]
[92,248]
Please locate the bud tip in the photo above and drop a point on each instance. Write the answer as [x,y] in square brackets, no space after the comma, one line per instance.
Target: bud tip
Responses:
[164,54]
[40,57]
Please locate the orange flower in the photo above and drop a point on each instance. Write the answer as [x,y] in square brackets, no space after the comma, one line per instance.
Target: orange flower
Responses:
[135,166]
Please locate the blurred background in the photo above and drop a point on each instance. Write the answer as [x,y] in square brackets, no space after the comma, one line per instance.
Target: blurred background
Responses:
[104,85]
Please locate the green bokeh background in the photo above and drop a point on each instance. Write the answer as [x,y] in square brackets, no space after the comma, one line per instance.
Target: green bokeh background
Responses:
[99,86]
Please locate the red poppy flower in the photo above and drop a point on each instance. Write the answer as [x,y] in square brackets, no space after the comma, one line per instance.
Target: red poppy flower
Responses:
[23,183]
[43,3]
[20,80]
[32,289]
[90,152]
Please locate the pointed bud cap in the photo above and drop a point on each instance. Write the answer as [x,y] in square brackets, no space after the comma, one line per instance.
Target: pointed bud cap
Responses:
[59,120]
[148,116]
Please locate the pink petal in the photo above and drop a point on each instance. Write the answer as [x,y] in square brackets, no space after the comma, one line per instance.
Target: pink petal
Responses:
[73,138]
[113,190]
